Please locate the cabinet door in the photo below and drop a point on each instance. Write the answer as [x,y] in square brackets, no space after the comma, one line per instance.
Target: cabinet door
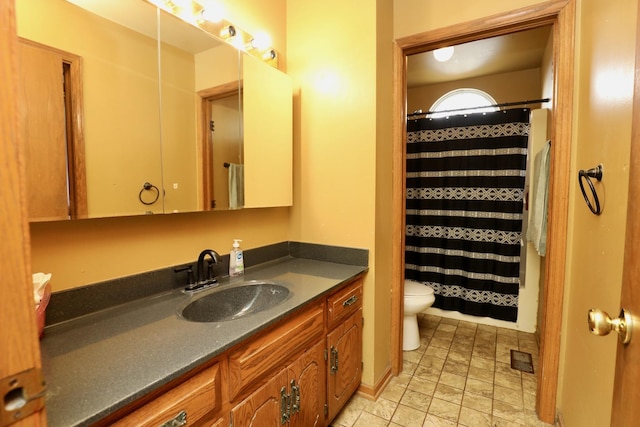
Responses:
[345,362]
[307,387]
[262,408]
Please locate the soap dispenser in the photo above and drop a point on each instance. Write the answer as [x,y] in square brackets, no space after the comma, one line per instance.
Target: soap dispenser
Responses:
[236,259]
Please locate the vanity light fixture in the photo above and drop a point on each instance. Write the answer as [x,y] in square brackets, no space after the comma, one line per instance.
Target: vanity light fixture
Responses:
[208,16]
[443,54]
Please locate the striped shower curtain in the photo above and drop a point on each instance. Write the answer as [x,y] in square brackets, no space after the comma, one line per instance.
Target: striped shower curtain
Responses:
[464,202]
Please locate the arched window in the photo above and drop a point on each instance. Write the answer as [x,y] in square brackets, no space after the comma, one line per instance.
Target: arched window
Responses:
[472,100]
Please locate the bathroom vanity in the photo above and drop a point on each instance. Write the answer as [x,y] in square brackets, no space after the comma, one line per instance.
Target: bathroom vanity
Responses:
[141,363]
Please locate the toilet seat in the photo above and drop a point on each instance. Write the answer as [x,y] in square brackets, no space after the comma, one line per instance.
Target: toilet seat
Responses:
[413,288]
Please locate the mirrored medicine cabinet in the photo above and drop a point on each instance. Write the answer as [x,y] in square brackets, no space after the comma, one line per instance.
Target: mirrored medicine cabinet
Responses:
[127,110]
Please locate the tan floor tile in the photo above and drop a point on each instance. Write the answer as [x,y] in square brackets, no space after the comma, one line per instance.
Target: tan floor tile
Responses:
[443,409]
[508,412]
[448,321]
[477,402]
[446,327]
[507,332]
[413,356]
[503,356]
[432,362]
[408,417]
[448,393]
[499,422]
[529,401]
[511,341]
[531,420]
[393,392]
[487,328]
[422,385]
[427,373]
[351,411]
[408,368]
[505,368]
[529,383]
[467,325]
[402,379]
[452,380]
[370,420]
[483,363]
[479,387]
[471,418]
[462,344]
[459,355]
[508,381]
[503,394]
[459,368]
[416,400]
[433,421]
[480,374]
[382,408]
[434,351]
[441,342]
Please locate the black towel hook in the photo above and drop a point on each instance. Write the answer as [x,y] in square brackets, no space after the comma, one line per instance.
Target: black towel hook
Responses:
[587,175]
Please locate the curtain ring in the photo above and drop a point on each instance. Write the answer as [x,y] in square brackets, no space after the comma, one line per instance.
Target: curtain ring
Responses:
[587,175]
[148,186]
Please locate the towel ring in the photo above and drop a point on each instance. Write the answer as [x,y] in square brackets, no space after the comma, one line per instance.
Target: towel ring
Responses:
[587,175]
[148,186]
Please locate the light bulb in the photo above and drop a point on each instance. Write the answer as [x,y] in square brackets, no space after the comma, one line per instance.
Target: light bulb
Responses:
[443,54]
[213,12]
[261,41]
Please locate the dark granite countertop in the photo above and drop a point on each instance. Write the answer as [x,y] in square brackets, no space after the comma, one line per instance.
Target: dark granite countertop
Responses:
[100,362]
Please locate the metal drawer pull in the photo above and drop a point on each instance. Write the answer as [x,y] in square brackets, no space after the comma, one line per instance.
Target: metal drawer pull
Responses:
[178,421]
[350,301]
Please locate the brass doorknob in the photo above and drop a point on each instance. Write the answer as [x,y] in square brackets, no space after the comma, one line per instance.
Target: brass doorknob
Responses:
[600,323]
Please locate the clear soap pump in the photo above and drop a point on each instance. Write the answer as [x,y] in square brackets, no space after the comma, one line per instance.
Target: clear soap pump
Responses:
[236,259]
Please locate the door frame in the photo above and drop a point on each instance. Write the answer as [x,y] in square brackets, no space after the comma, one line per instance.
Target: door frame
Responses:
[560,14]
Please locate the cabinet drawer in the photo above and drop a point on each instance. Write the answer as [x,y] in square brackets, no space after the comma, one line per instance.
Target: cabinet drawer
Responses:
[192,400]
[344,302]
[273,349]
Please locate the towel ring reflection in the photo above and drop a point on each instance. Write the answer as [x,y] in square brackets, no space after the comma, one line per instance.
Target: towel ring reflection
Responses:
[146,187]
[586,176]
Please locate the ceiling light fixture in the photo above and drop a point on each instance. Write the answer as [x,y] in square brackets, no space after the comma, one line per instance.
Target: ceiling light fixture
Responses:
[443,54]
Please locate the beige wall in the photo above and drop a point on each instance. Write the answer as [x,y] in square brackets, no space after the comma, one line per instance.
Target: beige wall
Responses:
[340,121]
[602,123]
[504,87]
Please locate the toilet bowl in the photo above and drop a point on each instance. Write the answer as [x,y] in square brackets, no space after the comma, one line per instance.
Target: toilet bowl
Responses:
[417,298]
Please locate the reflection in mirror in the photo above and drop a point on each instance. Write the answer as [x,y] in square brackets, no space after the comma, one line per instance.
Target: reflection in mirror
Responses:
[119,122]
[194,63]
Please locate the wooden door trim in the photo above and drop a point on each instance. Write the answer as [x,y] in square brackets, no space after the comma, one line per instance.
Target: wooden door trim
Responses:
[625,389]
[206,149]
[561,15]
[18,334]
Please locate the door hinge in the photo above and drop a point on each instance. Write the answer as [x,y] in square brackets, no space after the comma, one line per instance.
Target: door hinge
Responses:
[326,354]
[326,410]
[22,395]
[212,126]
[231,419]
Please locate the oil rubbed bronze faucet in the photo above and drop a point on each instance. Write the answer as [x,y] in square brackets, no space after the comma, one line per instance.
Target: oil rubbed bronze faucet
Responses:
[205,277]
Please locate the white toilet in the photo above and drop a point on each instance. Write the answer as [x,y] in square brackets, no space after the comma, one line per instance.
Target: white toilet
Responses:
[417,298]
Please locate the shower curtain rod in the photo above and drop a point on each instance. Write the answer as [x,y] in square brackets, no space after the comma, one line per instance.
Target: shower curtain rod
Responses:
[504,104]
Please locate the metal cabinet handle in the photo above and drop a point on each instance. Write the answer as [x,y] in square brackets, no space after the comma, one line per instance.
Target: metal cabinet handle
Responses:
[177,421]
[350,301]
[295,397]
[285,405]
[334,360]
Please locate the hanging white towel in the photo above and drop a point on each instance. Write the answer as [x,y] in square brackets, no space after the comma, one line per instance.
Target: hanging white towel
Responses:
[236,186]
[537,230]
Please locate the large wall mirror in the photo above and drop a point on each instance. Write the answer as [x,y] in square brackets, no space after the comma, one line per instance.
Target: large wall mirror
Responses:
[148,116]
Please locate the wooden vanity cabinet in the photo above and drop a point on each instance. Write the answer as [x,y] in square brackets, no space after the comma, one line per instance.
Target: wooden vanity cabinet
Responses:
[297,373]
[344,343]
[289,360]
[195,402]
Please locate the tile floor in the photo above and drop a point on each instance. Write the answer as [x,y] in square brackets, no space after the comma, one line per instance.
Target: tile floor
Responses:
[460,376]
